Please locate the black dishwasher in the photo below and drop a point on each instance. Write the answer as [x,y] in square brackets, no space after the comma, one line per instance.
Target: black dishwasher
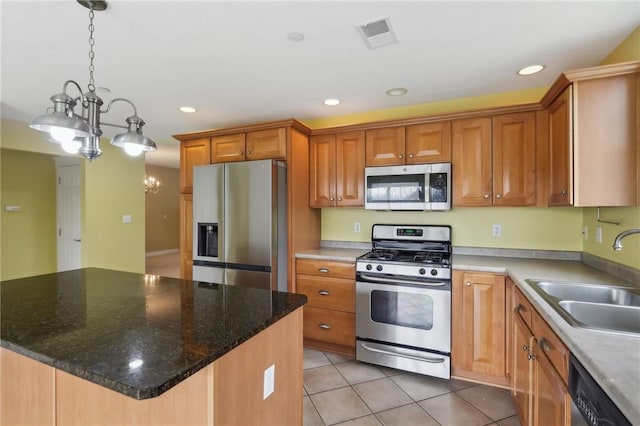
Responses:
[590,404]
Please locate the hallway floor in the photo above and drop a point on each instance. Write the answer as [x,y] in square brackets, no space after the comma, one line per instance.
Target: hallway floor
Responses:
[166,265]
[340,390]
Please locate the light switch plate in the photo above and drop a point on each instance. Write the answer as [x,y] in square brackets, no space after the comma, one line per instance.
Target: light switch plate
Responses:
[126,218]
[269,381]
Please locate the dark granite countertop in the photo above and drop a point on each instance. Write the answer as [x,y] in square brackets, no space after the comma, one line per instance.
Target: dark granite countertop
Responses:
[136,334]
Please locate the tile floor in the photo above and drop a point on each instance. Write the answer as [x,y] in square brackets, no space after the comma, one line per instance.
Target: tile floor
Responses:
[341,391]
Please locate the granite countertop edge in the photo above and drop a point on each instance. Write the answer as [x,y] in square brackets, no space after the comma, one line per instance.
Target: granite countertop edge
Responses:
[152,391]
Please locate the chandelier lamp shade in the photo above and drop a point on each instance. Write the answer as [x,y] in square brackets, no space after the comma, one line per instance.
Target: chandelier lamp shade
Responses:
[80,133]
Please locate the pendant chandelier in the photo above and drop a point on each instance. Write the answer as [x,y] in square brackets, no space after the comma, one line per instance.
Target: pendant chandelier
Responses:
[151,184]
[81,133]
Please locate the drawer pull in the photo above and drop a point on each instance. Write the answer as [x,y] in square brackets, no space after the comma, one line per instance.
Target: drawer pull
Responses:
[323,270]
[545,345]
[519,308]
[323,292]
[324,326]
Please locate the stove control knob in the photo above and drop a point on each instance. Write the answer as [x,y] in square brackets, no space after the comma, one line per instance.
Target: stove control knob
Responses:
[379,268]
[369,267]
[434,272]
[422,271]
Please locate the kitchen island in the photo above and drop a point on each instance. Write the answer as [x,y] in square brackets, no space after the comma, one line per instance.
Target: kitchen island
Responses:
[97,346]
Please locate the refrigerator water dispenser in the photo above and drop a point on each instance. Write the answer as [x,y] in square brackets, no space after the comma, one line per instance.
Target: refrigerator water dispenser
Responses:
[208,239]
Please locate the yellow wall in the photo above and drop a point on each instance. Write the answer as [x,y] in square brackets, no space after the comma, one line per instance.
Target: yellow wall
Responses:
[112,187]
[28,237]
[162,210]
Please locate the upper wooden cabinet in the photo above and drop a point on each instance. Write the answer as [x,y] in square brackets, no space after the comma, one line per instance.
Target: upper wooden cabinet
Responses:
[593,136]
[417,144]
[336,170]
[494,160]
[256,145]
[193,152]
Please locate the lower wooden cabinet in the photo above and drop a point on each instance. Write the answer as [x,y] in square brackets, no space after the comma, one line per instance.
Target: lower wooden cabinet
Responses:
[186,236]
[478,327]
[329,319]
[540,369]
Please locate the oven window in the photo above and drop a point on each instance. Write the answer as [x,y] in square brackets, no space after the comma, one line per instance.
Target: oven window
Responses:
[396,188]
[403,309]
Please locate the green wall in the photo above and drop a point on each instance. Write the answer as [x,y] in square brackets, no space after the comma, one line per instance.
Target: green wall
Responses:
[28,237]
[112,187]
[162,210]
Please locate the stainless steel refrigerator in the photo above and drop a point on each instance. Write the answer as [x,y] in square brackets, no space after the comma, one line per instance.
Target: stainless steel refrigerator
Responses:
[239,224]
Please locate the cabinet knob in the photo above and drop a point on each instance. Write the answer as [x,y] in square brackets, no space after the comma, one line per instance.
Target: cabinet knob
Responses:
[531,357]
[486,196]
[323,292]
[241,153]
[519,308]
[331,199]
[249,152]
[324,326]
[410,155]
[498,195]
[468,283]
[545,345]
[323,270]
[525,348]
[339,198]
[564,192]
[400,156]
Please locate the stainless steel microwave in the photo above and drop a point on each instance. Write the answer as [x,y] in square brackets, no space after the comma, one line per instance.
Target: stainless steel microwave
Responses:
[412,187]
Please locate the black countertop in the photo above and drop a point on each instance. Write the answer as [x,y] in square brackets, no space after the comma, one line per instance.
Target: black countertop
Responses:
[136,334]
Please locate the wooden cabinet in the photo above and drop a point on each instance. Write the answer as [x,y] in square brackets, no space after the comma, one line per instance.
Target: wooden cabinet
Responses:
[193,152]
[594,136]
[336,170]
[329,321]
[479,350]
[186,236]
[416,144]
[540,365]
[256,145]
[494,160]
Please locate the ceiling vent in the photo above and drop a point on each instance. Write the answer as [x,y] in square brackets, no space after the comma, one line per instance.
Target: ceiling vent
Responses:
[377,33]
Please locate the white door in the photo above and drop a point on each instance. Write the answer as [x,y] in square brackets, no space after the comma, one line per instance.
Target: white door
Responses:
[68,199]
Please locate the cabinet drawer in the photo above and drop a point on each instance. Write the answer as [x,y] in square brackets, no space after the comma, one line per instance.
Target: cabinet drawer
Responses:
[329,326]
[522,307]
[328,293]
[326,268]
[550,345]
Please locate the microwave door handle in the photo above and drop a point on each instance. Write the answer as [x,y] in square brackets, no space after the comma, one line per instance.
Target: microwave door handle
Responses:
[397,281]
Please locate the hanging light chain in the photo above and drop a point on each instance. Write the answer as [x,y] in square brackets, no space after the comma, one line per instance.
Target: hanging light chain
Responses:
[92,55]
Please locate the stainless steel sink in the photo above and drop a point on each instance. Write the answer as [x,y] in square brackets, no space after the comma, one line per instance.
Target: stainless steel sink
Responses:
[594,293]
[601,307]
[603,316]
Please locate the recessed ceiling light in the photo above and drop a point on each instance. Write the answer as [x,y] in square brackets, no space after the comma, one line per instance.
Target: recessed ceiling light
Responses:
[398,91]
[531,69]
[331,102]
[295,36]
[187,109]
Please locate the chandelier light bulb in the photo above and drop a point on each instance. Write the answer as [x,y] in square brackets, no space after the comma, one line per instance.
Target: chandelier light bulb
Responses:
[62,134]
[72,146]
[133,149]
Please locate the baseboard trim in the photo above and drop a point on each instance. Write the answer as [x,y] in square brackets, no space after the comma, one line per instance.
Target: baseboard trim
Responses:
[161,252]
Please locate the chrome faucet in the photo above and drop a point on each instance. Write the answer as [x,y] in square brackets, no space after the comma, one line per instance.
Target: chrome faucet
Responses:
[617,243]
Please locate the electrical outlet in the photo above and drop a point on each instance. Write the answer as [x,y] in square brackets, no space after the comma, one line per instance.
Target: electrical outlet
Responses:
[598,234]
[269,381]
[497,230]
[356,226]
[585,232]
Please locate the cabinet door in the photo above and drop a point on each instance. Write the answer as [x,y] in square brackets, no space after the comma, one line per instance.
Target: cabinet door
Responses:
[514,159]
[186,235]
[385,147]
[349,169]
[552,403]
[228,148]
[478,326]
[195,152]
[265,144]
[521,388]
[471,162]
[322,170]
[428,143]
[560,151]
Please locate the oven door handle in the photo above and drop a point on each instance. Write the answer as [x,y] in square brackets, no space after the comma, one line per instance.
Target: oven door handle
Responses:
[416,358]
[397,281]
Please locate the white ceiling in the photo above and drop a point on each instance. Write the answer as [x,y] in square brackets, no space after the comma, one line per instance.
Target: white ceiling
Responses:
[234,62]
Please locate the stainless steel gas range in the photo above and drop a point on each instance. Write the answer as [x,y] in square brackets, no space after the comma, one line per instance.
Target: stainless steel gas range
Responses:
[403,299]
